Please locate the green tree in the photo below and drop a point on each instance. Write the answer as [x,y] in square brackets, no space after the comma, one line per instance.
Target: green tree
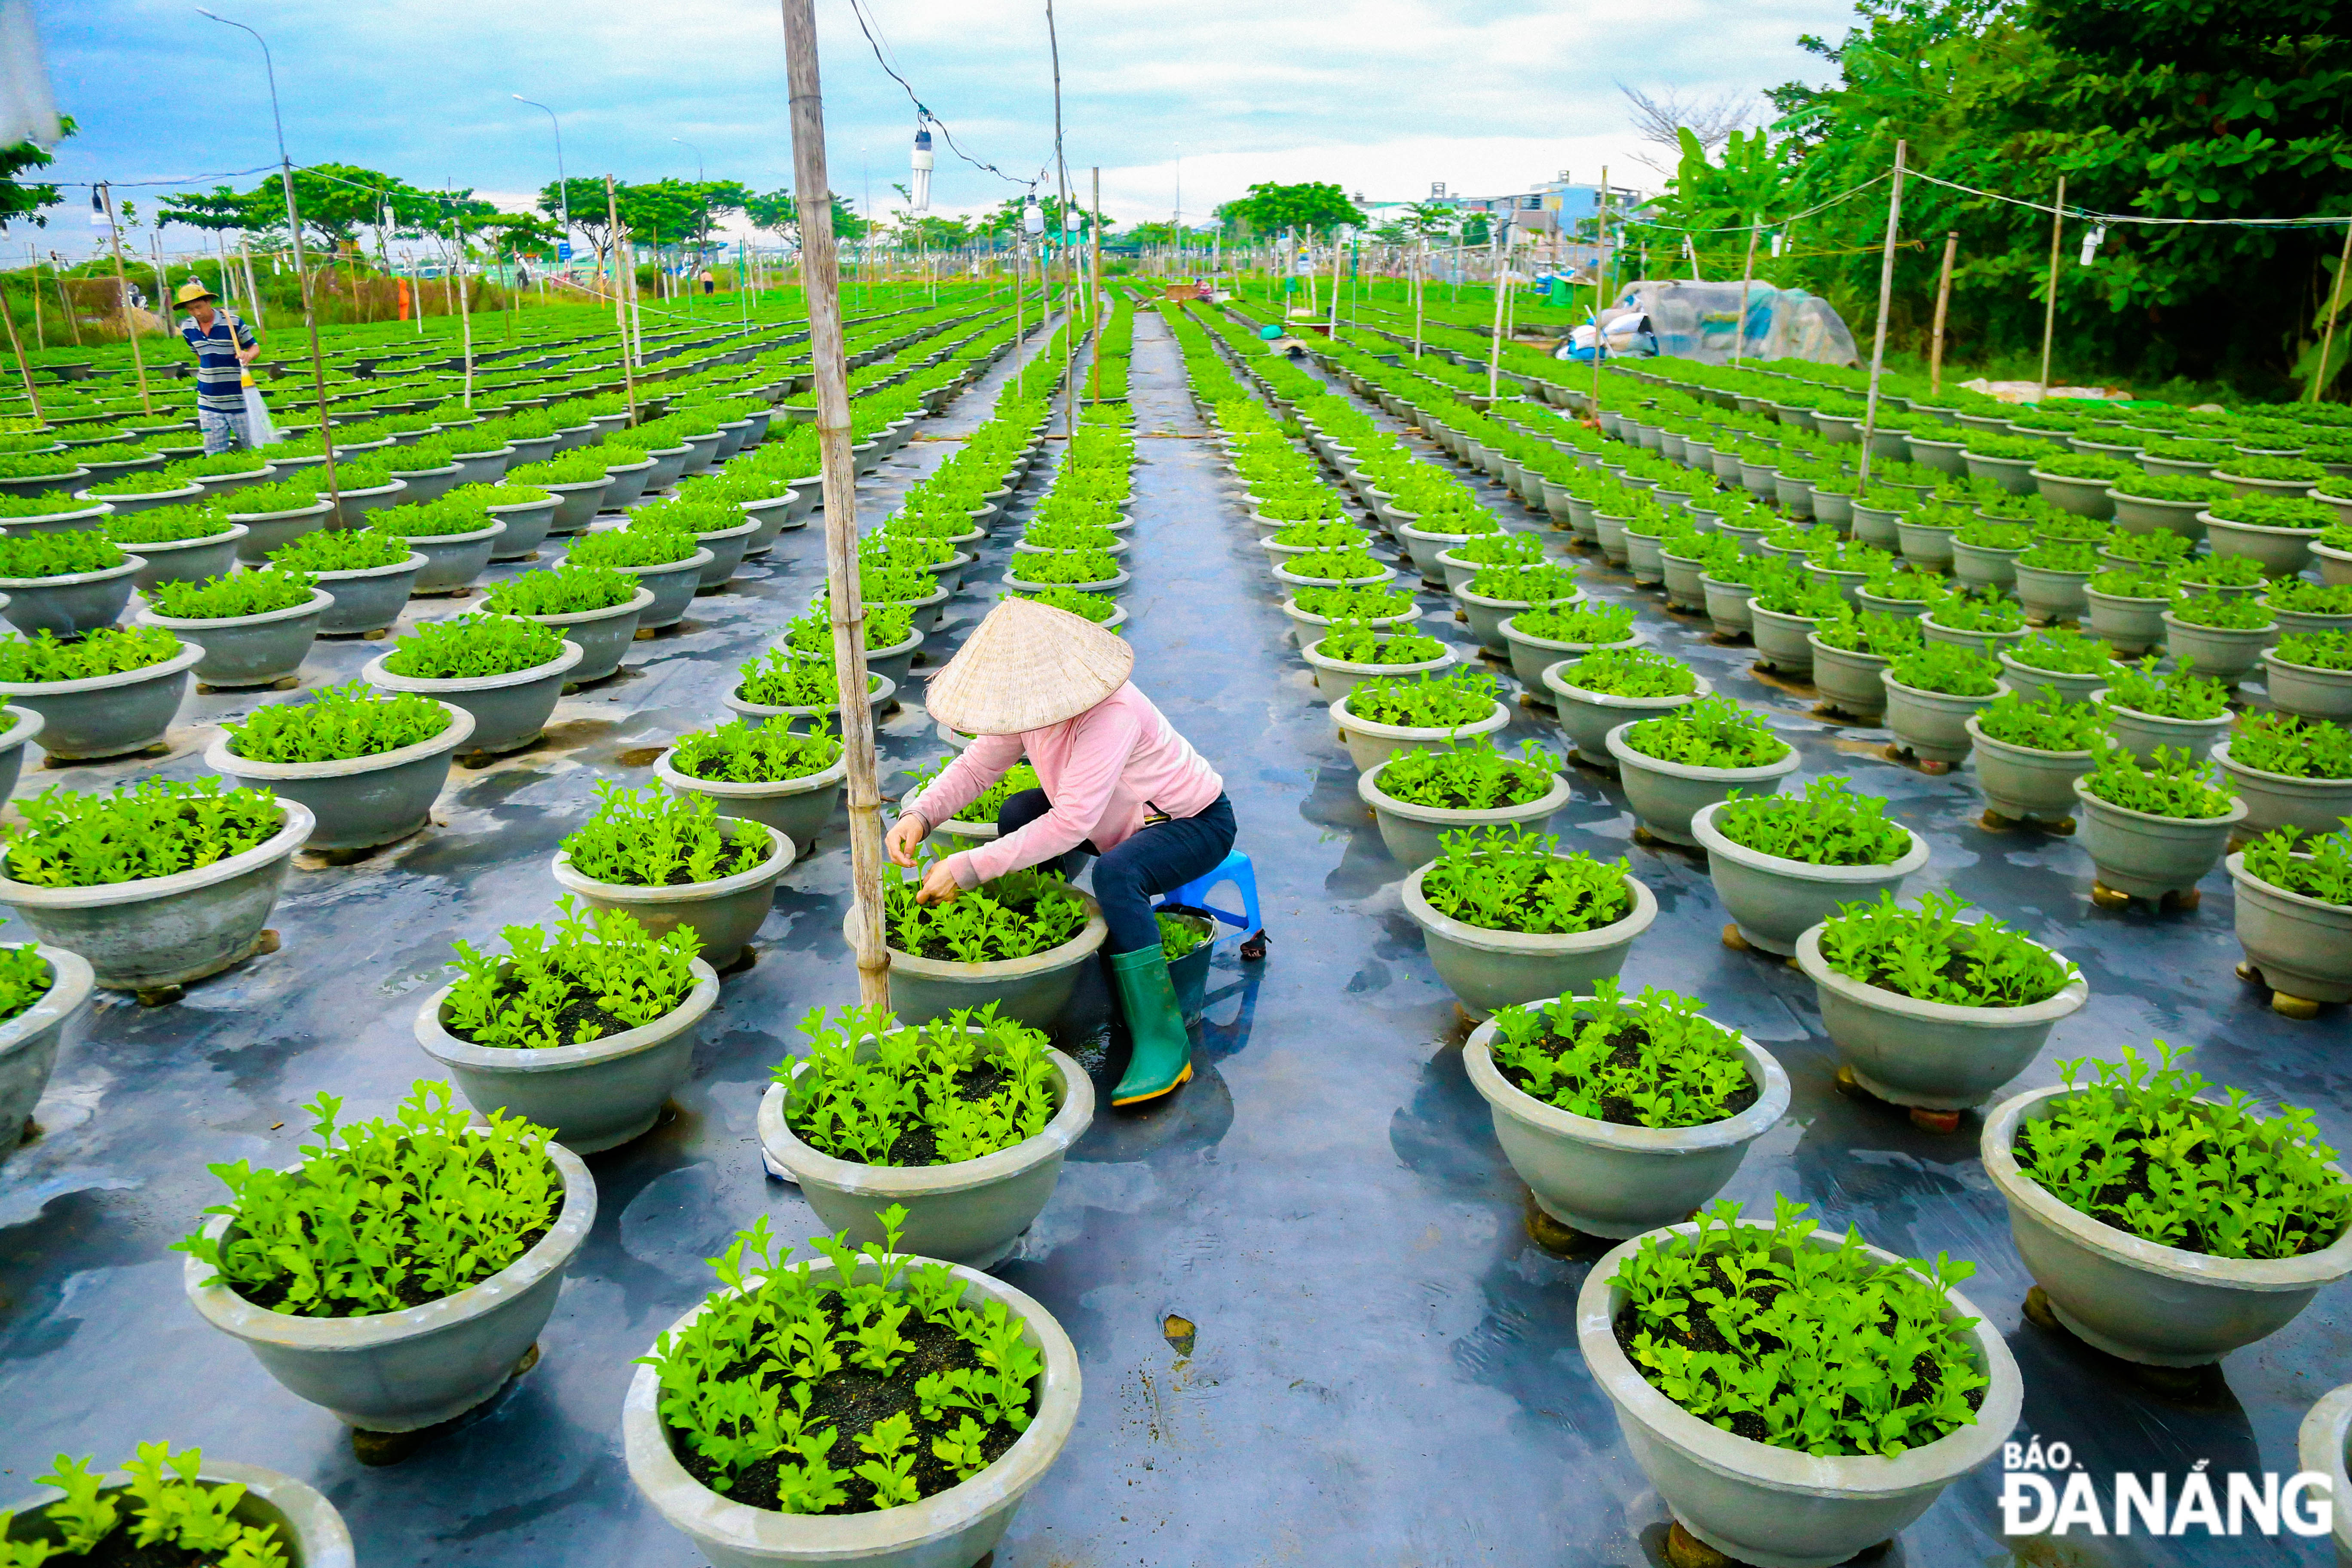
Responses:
[21,200]
[1316,206]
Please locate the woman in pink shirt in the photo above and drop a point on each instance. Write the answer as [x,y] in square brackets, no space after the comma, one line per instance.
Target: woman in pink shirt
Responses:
[1119,783]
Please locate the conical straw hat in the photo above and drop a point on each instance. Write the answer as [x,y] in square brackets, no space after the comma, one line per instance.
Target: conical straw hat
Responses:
[1027,666]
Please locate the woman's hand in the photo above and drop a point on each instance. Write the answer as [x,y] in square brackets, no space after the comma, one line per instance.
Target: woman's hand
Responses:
[905,834]
[940,887]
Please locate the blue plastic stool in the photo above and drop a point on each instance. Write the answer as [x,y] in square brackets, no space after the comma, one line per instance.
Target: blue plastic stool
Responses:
[1237,869]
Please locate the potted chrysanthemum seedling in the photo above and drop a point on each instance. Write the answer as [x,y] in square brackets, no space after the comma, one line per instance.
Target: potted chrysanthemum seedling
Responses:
[787,778]
[399,1274]
[506,671]
[366,571]
[2294,917]
[178,1503]
[1418,796]
[1387,714]
[1673,764]
[1931,692]
[2154,828]
[672,861]
[1349,653]
[65,583]
[2161,1222]
[256,626]
[1018,941]
[2290,772]
[1783,863]
[368,767]
[1508,918]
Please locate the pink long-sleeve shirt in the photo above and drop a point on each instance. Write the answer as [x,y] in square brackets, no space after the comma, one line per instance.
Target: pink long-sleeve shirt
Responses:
[1103,770]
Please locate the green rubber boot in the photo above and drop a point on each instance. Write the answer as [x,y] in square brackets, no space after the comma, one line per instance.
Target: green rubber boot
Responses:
[1164,1051]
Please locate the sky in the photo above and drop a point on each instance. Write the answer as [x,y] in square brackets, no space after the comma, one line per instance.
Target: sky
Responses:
[1384,97]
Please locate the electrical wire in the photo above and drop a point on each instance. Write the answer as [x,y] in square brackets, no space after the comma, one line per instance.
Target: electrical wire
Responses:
[857,8]
[2088,216]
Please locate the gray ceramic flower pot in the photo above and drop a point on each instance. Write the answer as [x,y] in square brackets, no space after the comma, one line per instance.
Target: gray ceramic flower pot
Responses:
[186,495]
[527,526]
[879,690]
[1336,677]
[2221,653]
[2129,625]
[1030,990]
[2029,681]
[596,1097]
[166,931]
[2279,800]
[726,547]
[403,1370]
[71,604]
[774,516]
[1604,1179]
[2141,734]
[250,650]
[2283,552]
[674,584]
[1984,566]
[107,715]
[624,482]
[1486,618]
[1925,545]
[724,913]
[20,727]
[452,561]
[1531,655]
[2053,596]
[2307,690]
[1487,969]
[575,504]
[1932,725]
[1778,1507]
[1423,547]
[2302,945]
[509,711]
[2022,781]
[352,509]
[2141,514]
[1587,717]
[893,662]
[603,636]
[358,802]
[265,532]
[950,1528]
[1773,900]
[2162,1306]
[1369,743]
[1727,606]
[1664,797]
[2148,856]
[1412,832]
[484,468]
[972,1212]
[1783,641]
[81,517]
[798,808]
[1853,683]
[188,560]
[1937,1055]
[367,600]
[30,1041]
[426,485]
[2083,498]
[2320,1449]
[309,1531]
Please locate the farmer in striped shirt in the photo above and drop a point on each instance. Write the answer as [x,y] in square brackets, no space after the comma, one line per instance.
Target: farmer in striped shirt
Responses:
[224,346]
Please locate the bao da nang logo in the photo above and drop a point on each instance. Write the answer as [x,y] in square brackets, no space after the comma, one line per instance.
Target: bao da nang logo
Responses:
[2042,1494]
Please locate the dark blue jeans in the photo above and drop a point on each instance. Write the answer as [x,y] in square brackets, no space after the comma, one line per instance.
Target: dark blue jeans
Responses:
[1164,856]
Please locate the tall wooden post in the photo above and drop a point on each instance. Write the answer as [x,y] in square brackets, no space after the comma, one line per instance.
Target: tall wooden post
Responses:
[821,275]
[65,301]
[41,331]
[1943,306]
[1885,304]
[619,309]
[1495,340]
[2050,302]
[24,368]
[122,298]
[2336,295]
[1746,277]
[1094,289]
[1600,264]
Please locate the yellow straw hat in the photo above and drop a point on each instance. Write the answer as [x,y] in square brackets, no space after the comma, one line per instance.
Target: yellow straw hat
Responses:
[190,291]
[1028,666]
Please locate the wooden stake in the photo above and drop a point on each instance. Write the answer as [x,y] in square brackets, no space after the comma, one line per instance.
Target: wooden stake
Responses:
[2050,301]
[821,276]
[620,311]
[1943,305]
[1495,340]
[464,307]
[252,289]
[24,368]
[65,301]
[1747,275]
[310,324]
[1885,300]
[41,331]
[122,298]
[1094,289]
[2336,292]
[1062,181]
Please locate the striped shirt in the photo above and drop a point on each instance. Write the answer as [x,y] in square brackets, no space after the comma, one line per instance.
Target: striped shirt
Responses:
[220,379]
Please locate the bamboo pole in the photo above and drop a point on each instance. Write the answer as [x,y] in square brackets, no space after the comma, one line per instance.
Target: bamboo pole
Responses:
[122,298]
[1495,342]
[65,301]
[24,368]
[464,307]
[1885,300]
[1094,287]
[619,309]
[2326,339]
[252,289]
[40,330]
[310,316]
[2050,300]
[1338,255]
[1061,183]
[1746,277]
[1943,306]
[821,275]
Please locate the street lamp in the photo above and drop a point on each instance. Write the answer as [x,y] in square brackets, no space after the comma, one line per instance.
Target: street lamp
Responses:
[562,187]
[301,270]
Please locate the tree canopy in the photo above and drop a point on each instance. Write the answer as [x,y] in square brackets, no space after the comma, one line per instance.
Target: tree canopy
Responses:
[2174,108]
[1270,208]
[22,199]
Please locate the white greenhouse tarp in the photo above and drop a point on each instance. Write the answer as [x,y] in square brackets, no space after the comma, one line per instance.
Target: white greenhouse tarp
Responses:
[1692,320]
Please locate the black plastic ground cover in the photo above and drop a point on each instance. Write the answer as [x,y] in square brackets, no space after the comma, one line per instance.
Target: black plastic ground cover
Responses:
[1313,1327]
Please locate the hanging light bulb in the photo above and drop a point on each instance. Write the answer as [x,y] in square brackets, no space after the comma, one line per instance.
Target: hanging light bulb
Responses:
[97,209]
[921,199]
[1033,217]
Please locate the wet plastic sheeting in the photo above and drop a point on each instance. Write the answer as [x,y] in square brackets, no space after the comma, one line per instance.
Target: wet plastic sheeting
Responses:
[1382,1367]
